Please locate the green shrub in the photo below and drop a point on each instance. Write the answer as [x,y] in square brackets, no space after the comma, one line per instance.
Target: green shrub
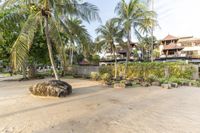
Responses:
[1,69]
[106,77]
[151,78]
[152,70]
[105,69]
[180,81]
[175,80]
[123,81]
[163,80]
[94,75]
[196,83]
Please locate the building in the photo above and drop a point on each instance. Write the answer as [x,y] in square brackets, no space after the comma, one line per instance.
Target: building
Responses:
[179,49]
[121,53]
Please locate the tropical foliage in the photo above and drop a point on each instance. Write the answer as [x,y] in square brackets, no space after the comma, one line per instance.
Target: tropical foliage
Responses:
[155,69]
[145,45]
[109,35]
[50,16]
[134,17]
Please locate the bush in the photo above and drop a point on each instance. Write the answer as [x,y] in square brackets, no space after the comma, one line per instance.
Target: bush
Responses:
[152,70]
[163,80]
[151,78]
[175,80]
[94,75]
[123,81]
[1,69]
[179,81]
[106,77]
[105,69]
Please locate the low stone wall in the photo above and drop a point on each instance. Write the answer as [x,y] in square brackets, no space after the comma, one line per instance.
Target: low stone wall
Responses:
[83,70]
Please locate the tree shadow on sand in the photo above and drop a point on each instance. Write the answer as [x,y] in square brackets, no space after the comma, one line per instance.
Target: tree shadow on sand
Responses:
[77,95]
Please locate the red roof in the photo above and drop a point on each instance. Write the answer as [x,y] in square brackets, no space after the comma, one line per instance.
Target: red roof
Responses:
[172,46]
[84,62]
[170,37]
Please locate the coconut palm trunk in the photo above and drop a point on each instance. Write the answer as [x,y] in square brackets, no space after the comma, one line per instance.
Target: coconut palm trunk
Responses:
[24,71]
[127,54]
[72,56]
[50,48]
[115,58]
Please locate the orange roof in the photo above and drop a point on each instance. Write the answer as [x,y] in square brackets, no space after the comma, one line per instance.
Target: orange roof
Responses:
[172,46]
[84,62]
[170,37]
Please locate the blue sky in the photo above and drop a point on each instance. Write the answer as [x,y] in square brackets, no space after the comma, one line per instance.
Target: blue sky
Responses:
[176,17]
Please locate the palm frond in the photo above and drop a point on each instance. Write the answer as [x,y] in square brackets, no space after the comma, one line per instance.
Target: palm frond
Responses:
[13,15]
[83,10]
[56,39]
[24,41]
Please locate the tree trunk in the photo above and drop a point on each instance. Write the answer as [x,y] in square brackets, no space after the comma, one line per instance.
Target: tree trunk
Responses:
[115,63]
[50,48]
[127,54]
[24,71]
[72,56]
[152,45]
[32,71]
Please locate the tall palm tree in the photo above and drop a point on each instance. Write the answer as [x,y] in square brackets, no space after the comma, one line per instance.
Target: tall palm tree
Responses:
[48,14]
[109,35]
[132,17]
[150,3]
[78,36]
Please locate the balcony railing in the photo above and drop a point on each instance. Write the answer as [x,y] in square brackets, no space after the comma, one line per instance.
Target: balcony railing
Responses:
[180,56]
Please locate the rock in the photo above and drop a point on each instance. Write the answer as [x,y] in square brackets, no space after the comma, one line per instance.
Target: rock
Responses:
[155,83]
[55,88]
[137,81]
[128,83]
[119,86]
[174,85]
[166,86]
[145,84]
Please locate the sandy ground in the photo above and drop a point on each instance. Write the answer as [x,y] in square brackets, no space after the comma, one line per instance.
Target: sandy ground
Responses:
[93,108]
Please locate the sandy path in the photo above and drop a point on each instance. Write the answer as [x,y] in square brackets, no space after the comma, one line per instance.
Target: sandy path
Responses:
[96,109]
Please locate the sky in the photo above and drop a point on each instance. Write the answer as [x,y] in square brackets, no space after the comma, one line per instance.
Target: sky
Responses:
[175,17]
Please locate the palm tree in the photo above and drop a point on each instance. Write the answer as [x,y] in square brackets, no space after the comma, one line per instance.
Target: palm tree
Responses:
[132,17]
[78,36]
[48,14]
[150,3]
[145,44]
[109,35]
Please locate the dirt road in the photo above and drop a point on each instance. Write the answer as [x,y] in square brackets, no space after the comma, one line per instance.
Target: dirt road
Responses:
[93,108]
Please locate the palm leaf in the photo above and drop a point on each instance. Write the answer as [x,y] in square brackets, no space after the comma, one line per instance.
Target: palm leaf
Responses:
[24,41]
[54,32]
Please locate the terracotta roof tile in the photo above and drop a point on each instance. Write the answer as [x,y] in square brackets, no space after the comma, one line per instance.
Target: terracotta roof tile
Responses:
[170,37]
[172,46]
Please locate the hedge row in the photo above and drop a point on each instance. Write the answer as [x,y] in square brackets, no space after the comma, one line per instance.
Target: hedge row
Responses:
[160,70]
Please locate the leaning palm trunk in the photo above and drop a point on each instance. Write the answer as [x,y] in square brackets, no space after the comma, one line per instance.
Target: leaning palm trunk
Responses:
[50,48]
